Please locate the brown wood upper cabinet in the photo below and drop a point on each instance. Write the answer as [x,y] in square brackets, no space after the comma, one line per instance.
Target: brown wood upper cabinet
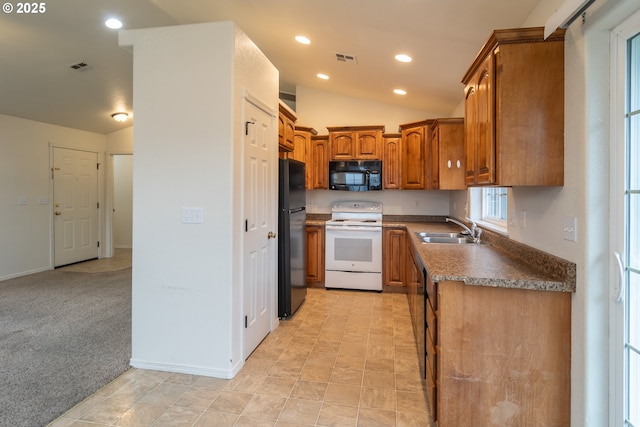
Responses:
[447,154]
[355,142]
[391,159]
[416,143]
[286,127]
[319,164]
[302,150]
[514,110]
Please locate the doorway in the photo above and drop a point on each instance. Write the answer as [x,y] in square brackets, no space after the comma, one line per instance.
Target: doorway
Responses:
[75,212]
[118,204]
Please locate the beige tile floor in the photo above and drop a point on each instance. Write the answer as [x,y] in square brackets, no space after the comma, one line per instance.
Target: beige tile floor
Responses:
[347,358]
[121,259]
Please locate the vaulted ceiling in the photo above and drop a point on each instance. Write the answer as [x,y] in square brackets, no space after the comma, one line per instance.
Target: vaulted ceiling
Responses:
[37,50]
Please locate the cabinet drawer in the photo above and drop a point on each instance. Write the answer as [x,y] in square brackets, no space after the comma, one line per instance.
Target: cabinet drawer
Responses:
[432,324]
[432,359]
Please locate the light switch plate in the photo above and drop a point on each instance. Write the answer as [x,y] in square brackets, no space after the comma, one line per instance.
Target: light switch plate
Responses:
[569,228]
[192,215]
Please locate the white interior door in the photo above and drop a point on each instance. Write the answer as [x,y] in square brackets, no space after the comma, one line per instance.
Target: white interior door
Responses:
[75,205]
[260,194]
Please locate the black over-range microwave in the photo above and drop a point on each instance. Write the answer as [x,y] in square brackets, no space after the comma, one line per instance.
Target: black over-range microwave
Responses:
[355,175]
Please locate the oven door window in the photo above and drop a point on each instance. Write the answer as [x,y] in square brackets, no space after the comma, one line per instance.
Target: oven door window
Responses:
[359,250]
[353,250]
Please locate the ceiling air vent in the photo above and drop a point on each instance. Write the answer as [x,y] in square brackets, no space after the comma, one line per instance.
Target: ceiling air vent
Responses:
[344,57]
[80,66]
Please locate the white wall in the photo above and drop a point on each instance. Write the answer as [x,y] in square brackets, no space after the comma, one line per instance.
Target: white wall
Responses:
[122,200]
[25,171]
[319,109]
[186,277]
[120,142]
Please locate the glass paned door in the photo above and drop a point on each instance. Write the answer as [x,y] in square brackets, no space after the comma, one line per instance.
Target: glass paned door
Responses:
[630,295]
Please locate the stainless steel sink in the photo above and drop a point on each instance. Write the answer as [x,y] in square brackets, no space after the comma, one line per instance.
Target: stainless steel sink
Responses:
[453,238]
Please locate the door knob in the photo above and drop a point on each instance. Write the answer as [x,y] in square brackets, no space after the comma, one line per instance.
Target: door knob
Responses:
[271,235]
[58,212]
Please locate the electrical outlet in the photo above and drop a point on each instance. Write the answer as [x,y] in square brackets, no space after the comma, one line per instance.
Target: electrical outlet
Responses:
[523,219]
[417,203]
[569,228]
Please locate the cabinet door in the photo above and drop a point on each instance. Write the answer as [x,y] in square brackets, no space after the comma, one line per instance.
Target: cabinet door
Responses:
[485,115]
[289,134]
[319,163]
[286,131]
[391,158]
[281,120]
[413,157]
[451,156]
[480,149]
[471,134]
[341,145]
[368,145]
[315,254]
[300,146]
[394,249]
[434,173]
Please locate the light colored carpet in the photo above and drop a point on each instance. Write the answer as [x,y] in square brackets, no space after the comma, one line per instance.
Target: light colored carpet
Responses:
[63,335]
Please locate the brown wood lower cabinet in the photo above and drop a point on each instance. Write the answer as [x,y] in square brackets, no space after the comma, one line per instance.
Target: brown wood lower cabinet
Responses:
[498,356]
[394,249]
[315,255]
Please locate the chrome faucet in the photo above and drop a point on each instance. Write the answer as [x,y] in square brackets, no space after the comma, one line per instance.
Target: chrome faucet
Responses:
[474,232]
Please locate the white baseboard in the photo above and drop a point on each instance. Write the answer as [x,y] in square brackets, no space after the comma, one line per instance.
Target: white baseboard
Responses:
[25,273]
[187,369]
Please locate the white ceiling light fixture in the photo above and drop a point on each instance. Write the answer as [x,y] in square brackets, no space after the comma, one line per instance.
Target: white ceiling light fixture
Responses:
[401,57]
[322,76]
[120,116]
[400,91]
[303,40]
[113,23]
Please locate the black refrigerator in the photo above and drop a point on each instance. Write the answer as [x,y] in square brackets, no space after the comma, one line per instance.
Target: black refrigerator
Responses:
[292,245]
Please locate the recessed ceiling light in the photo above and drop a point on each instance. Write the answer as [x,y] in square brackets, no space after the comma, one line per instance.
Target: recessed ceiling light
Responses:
[400,91]
[303,40]
[113,23]
[322,76]
[403,58]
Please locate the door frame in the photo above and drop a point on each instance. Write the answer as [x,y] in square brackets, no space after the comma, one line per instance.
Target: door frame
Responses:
[248,97]
[99,190]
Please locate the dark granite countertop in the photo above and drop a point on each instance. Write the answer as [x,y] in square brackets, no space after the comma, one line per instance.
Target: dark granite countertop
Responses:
[494,263]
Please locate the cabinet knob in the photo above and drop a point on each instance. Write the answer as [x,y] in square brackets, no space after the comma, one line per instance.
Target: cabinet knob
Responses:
[271,235]
[58,212]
